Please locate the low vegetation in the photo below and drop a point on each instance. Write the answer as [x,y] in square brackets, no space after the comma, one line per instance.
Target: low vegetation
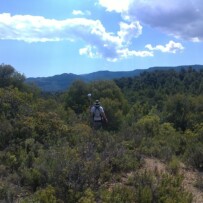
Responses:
[50,154]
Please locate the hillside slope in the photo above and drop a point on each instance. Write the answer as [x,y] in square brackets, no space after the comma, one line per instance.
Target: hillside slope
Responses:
[63,81]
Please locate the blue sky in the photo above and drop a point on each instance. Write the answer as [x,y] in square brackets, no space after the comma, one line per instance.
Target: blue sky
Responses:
[49,37]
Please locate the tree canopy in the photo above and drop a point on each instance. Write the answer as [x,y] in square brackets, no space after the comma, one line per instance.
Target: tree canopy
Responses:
[9,76]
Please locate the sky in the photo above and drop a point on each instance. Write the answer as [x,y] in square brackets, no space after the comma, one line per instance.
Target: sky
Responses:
[41,38]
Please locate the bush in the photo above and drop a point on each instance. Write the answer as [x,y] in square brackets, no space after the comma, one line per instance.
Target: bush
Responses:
[174,165]
[88,197]
[147,126]
[160,188]
[199,183]
[121,194]
[194,155]
[46,195]
[170,190]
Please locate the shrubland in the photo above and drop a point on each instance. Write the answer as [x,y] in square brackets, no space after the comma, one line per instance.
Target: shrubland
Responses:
[50,153]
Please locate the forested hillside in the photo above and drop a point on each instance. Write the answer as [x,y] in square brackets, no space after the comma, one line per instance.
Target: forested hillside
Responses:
[59,83]
[49,152]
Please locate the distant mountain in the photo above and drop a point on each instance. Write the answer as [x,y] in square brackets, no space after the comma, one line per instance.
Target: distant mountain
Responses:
[63,81]
[54,83]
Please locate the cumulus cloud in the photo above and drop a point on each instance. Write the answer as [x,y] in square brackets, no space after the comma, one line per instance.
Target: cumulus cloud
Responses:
[81,13]
[181,19]
[100,43]
[129,31]
[120,53]
[171,47]
[126,52]
[115,5]
[90,51]
[77,12]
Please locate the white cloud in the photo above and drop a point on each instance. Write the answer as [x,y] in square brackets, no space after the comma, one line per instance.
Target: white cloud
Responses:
[79,12]
[124,53]
[39,29]
[171,47]
[129,31]
[90,51]
[180,19]
[100,43]
[115,5]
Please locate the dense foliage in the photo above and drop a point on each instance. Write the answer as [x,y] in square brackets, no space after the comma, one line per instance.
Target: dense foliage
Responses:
[50,153]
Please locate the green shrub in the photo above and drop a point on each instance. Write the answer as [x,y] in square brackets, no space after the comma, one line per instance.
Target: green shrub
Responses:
[88,197]
[199,183]
[32,177]
[118,194]
[3,190]
[194,155]
[46,195]
[174,165]
[144,195]
[147,126]
[170,190]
